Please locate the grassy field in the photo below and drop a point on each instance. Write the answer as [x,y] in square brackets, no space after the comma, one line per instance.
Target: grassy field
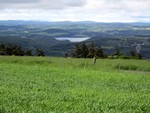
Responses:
[67,85]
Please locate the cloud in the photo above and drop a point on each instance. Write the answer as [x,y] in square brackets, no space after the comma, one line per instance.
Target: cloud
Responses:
[41,4]
[76,10]
[18,1]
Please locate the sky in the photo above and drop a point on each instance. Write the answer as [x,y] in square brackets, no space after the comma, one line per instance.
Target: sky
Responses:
[76,10]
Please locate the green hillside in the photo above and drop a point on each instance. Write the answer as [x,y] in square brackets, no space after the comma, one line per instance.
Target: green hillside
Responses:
[43,35]
[68,85]
[40,42]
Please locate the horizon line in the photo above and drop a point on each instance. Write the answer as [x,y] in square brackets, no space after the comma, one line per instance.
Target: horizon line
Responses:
[76,21]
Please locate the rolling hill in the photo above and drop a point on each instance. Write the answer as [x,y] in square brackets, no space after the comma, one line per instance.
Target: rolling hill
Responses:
[35,34]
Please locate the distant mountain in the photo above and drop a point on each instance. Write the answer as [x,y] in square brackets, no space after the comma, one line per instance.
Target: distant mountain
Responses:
[38,34]
[21,22]
[55,31]
[46,39]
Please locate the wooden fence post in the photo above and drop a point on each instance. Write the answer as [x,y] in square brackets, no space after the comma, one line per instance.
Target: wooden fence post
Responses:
[94,60]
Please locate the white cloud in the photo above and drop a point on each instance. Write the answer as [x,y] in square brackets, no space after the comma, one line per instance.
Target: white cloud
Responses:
[41,4]
[76,10]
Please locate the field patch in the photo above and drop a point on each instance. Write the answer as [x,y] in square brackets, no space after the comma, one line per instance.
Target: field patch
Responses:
[48,84]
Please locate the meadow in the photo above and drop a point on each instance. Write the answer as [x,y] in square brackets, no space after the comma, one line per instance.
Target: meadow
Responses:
[69,85]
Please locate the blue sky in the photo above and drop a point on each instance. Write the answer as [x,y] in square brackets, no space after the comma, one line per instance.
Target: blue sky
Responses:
[76,10]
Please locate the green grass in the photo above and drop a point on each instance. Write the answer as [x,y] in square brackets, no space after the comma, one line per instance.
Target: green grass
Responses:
[67,85]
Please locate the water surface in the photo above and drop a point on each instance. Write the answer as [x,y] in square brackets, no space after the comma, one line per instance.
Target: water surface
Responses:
[73,39]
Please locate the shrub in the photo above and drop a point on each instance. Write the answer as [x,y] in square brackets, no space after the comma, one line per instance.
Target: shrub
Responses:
[126,67]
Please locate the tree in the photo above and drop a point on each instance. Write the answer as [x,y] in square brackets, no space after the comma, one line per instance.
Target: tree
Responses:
[87,52]
[84,50]
[17,50]
[99,53]
[135,55]
[91,49]
[139,56]
[132,53]
[77,51]
[28,52]
[2,49]
[117,52]
[8,49]
[40,52]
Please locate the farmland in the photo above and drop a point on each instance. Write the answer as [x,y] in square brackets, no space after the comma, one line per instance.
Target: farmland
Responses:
[69,85]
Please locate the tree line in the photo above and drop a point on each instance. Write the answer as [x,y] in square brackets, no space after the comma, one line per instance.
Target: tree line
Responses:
[84,51]
[9,49]
[81,50]
[90,51]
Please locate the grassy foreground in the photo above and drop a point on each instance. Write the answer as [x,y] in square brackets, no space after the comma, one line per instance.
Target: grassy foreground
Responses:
[67,85]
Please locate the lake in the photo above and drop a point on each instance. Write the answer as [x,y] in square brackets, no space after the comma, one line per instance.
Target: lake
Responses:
[73,39]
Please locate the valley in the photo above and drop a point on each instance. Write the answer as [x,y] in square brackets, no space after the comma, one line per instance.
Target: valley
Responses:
[48,36]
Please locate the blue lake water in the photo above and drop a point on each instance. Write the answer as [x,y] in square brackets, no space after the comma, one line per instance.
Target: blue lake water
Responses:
[73,39]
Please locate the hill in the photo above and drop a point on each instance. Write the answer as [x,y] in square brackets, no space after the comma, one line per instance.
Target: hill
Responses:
[40,42]
[107,35]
